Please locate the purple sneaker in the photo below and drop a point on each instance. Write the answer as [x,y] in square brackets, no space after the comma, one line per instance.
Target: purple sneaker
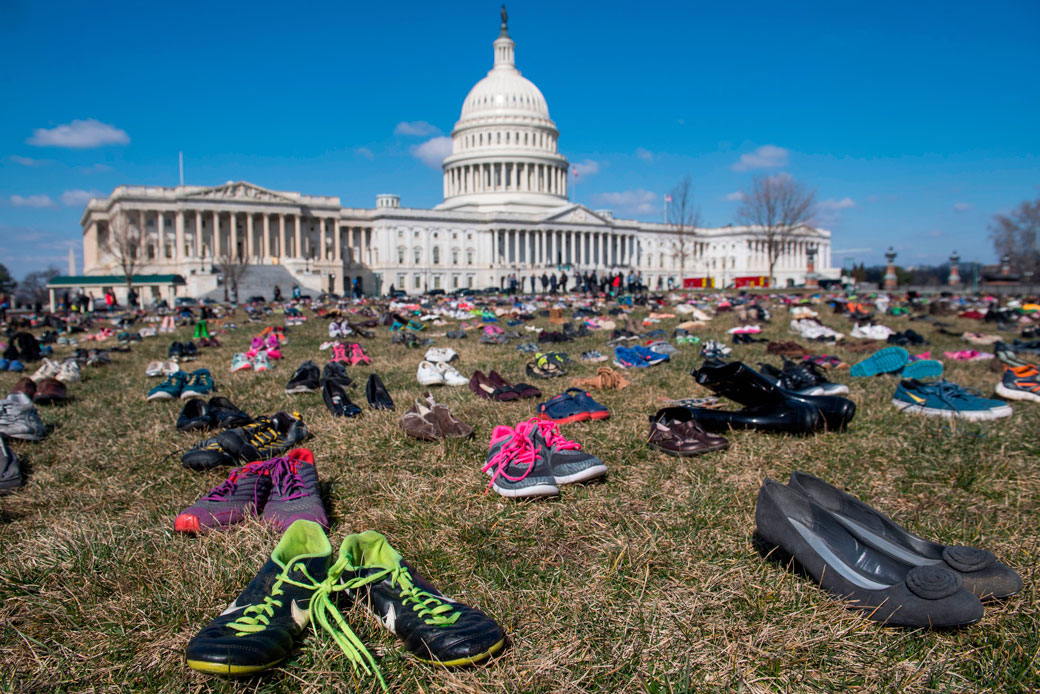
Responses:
[294,490]
[241,494]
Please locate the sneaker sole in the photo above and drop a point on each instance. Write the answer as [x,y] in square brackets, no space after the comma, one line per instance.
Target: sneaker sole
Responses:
[689,454]
[970,415]
[580,417]
[1009,394]
[195,394]
[230,670]
[471,660]
[162,396]
[537,490]
[885,361]
[924,368]
[300,389]
[583,476]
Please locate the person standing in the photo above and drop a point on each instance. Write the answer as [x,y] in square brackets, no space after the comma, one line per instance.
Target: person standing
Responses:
[563,282]
[553,283]
[545,283]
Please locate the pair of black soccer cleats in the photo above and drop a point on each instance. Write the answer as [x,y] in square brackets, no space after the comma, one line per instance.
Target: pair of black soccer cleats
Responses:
[301,584]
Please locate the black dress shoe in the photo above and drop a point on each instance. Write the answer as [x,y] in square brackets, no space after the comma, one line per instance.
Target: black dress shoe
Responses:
[982,574]
[337,401]
[742,384]
[196,416]
[793,529]
[377,395]
[780,417]
[226,415]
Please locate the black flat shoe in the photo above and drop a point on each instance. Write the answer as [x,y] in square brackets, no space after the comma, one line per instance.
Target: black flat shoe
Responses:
[740,383]
[377,395]
[793,529]
[982,574]
[337,373]
[196,416]
[337,401]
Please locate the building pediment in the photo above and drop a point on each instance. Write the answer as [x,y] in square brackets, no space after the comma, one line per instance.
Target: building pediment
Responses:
[241,191]
[579,214]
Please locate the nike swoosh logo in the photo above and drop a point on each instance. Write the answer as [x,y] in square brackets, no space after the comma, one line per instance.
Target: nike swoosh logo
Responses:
[390,619]
[232,608]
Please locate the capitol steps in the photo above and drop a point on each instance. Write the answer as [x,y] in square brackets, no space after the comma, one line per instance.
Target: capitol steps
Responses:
[260,280]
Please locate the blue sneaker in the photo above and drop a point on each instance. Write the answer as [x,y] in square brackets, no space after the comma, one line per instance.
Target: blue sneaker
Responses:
[883,361]
[198,384]
[944,399]
[4,363]
[563,409]
[923,368]
[16,365]
[170,389]
[649,356]
[626,358]
[584,400]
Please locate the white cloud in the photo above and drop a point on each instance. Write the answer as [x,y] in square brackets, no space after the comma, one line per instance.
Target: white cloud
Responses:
[962,206]
[32,201]
[644,154]
[96,168]
[79,134]
[26,161]
[584,169]
[77,198]
[364,152]
[735,196]
[764,157]
[433,151]
[416,128]
[636,201]
[832,205]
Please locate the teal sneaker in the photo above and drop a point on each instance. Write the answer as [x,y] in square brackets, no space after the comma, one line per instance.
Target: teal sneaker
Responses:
[199,384]
[883,361]
[170,389]
[944,399]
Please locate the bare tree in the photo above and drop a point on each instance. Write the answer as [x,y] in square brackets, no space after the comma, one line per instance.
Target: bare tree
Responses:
[124,243]
[232,266]
[777,206]
[1016,235]
[33,288]
[684,217]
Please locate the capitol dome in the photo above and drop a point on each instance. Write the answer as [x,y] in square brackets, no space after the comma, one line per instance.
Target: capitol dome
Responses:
[504,152]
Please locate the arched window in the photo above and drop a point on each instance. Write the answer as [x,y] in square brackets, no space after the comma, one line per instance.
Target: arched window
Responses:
[436,255]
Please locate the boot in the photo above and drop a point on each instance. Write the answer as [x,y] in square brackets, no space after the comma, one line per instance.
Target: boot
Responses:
[742,384]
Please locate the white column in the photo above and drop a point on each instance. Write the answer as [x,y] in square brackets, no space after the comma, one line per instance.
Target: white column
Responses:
[298,241]
[281,237]
[337,238]
[266,248]
[197,246]
[250,247]
[160,233]
[218,247]
[178,236]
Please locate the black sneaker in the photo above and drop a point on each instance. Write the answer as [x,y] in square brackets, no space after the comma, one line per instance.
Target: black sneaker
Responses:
[195,416]
[337,400]
[265,438]
[305,380]
[176,351]
[226,415]
[10,469]
[259,629]
[434,628]
[337,373]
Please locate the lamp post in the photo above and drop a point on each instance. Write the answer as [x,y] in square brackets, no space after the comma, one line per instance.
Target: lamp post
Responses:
[890,269]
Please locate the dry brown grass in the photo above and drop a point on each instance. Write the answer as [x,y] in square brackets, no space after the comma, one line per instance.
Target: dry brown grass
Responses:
[645,583]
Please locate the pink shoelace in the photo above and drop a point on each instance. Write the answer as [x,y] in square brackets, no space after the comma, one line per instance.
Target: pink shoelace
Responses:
[550,431]
[229,485]
[339,353]
[285,478]
[357,354]
[519,451]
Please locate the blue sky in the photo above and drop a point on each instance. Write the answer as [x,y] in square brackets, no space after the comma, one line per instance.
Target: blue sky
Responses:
[915,122]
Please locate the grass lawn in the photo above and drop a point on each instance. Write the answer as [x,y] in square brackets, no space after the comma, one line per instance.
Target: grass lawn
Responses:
[647,582]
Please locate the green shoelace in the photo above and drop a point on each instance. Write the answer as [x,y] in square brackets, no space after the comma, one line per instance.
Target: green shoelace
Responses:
[432,610]
[256,618]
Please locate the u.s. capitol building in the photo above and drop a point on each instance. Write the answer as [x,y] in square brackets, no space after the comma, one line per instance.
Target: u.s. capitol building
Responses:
[505,212]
